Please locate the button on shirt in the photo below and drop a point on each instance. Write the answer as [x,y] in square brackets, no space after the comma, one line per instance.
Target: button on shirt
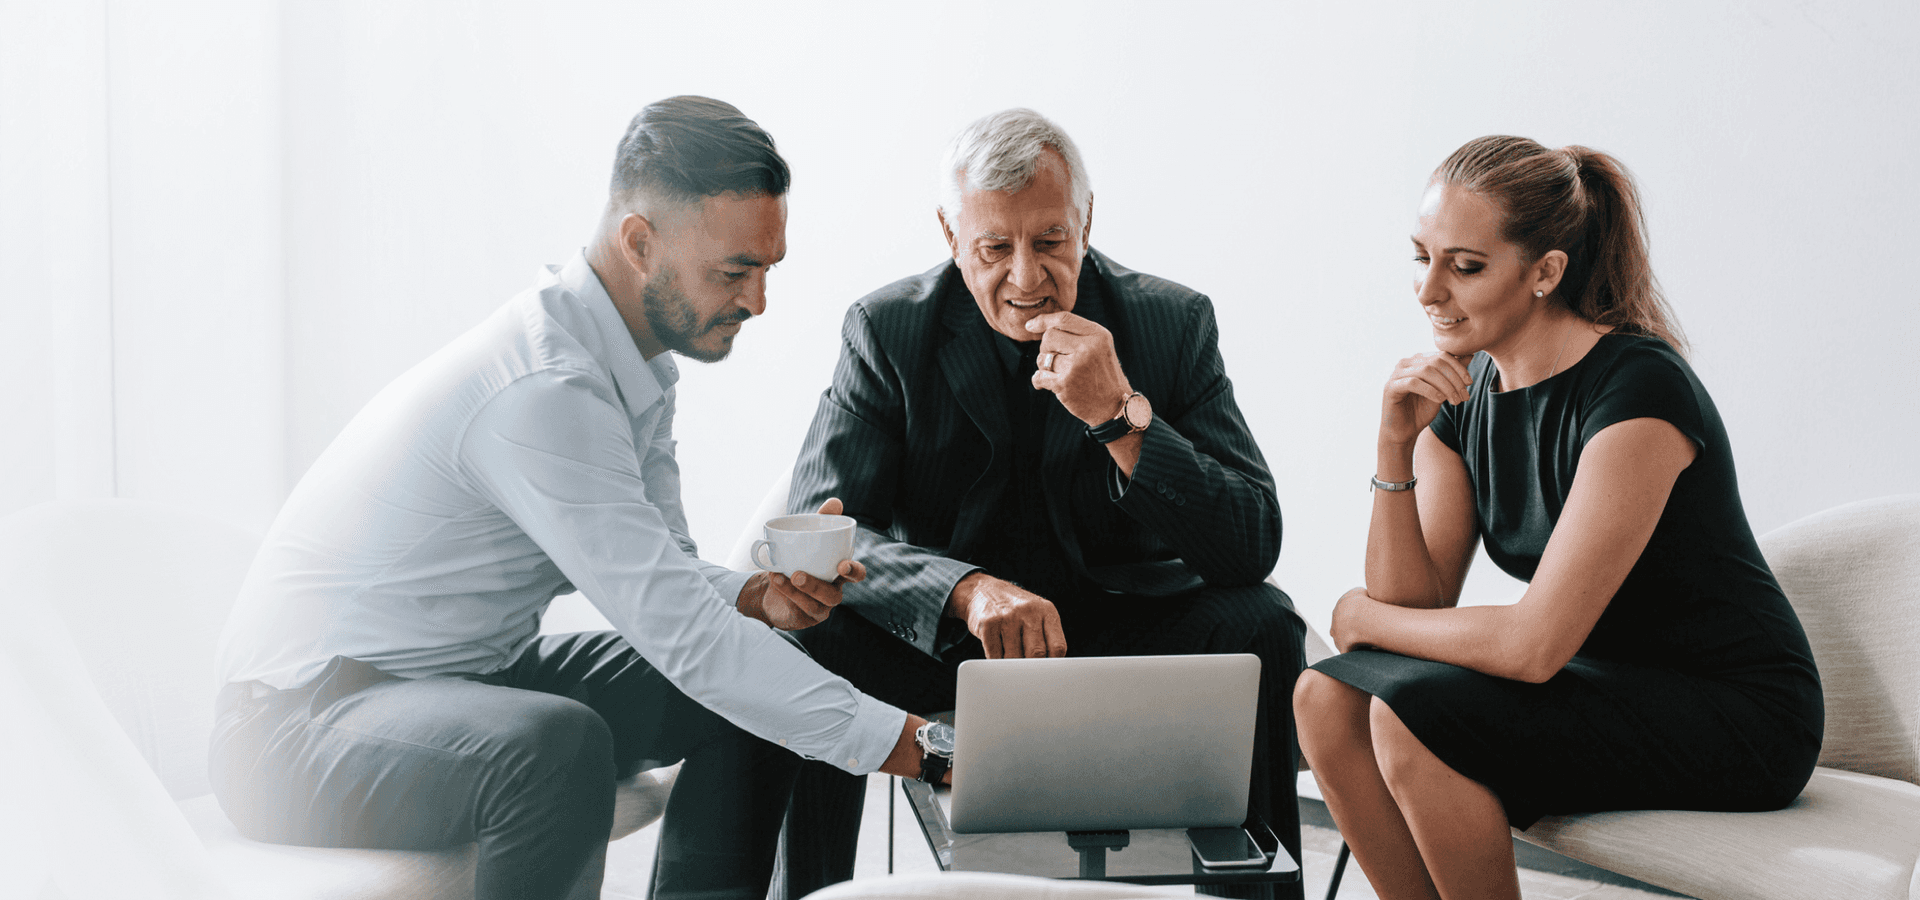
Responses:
[532,455]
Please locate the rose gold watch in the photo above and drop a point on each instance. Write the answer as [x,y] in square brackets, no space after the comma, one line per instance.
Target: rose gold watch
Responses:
[1134,417]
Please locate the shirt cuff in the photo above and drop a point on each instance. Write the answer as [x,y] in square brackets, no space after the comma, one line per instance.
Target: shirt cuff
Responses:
[871,738]
[728,583]
[1118,483]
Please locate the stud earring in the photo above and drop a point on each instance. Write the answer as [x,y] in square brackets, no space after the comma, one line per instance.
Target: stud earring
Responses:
[1539,293]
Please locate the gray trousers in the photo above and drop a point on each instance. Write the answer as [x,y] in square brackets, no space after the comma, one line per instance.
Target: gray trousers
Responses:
[522,762]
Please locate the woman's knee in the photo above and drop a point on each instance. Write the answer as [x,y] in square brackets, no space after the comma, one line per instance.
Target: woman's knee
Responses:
[1328,712]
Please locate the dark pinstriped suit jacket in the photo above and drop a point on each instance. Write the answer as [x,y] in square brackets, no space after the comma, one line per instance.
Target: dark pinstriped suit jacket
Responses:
[913,437]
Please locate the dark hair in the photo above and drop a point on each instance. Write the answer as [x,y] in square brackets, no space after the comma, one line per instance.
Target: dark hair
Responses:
[685,149]
[1583,203]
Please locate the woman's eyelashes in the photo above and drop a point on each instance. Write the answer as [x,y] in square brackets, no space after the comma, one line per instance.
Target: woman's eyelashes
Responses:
[1464,268]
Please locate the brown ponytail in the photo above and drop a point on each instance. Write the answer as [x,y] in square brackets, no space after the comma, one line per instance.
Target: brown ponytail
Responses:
[1583,203]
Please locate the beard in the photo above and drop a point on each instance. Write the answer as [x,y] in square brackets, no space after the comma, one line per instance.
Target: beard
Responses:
[676,326]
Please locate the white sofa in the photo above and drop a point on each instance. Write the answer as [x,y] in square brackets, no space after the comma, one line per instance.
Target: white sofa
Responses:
[1853,575]
[112,609]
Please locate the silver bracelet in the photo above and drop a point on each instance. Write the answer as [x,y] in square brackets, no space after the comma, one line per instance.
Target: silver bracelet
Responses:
[1394,486]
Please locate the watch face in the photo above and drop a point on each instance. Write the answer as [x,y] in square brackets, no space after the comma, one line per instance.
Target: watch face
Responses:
[937,738]
[1139,412]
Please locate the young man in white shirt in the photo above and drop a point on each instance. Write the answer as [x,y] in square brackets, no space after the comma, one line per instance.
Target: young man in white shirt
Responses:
[386,684]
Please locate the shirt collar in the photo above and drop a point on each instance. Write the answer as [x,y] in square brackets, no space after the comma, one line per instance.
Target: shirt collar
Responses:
[642,382]
[1011,351]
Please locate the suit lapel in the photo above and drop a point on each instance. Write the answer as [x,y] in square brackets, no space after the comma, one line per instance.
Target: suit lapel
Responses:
[972,367]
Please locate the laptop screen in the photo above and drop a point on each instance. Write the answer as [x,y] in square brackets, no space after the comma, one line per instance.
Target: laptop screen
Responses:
[1099,743]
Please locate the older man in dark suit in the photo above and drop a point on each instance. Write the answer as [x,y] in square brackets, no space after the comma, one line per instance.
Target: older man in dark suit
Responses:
[1044,455]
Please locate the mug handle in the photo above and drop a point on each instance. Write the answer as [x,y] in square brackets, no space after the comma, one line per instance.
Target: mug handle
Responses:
[755,554]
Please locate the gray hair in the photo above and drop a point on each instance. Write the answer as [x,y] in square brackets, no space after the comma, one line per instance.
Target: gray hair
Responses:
[1002,151]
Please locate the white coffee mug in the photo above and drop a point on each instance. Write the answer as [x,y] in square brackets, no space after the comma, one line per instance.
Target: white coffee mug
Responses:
[809,542]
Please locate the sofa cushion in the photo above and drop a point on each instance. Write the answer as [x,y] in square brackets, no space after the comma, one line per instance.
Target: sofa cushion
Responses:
[277,872]
[1853,574]
[1848,835]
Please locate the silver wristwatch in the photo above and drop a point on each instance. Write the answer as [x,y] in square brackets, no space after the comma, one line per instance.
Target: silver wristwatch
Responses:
[936,750]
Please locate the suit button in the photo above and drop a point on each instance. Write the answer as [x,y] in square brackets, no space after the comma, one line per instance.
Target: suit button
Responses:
[909,633]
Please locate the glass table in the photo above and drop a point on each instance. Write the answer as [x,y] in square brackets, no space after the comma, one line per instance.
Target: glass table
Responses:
[1149,856]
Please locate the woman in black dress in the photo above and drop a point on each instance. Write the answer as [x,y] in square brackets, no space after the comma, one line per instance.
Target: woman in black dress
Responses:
[1653,662]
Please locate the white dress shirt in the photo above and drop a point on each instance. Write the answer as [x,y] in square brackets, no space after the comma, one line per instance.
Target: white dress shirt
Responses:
[532,455]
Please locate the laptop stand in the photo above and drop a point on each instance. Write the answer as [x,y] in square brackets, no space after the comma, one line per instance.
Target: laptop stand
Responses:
[1093,847]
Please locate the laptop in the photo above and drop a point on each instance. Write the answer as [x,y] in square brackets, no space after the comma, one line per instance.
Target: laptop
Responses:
[1103,743]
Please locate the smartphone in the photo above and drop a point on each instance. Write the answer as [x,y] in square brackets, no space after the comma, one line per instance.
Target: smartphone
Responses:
[1264,836]
[1225,848]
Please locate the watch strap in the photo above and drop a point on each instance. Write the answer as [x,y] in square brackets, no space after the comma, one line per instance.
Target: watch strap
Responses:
[933,767]
[1111,430]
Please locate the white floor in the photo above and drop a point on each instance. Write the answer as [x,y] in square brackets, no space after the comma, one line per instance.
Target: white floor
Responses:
[630,861]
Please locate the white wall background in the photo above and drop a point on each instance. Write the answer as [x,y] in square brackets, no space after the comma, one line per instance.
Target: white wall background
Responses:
[225,224]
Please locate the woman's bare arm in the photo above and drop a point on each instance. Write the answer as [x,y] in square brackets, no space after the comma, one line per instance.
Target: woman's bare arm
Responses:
[1420,542]
[1626,473]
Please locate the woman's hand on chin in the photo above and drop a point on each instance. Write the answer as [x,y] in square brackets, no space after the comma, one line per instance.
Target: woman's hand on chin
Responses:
[1419,384]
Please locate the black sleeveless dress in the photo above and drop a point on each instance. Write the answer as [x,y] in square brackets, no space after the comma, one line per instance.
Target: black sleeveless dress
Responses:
[1696,688]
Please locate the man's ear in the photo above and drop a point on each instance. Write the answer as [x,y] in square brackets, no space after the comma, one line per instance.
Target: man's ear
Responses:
[1086,229]
[639,244]
[1548,270]
[953,246]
